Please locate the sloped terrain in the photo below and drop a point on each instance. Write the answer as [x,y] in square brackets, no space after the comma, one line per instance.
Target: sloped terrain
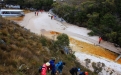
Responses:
[22,52]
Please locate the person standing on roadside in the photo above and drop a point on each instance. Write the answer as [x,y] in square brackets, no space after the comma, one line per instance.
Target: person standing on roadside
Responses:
[100,39]
[51,17]
[35,13]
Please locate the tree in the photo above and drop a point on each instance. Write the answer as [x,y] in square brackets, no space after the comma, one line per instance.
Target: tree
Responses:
[118,6]
[62,40]
[108,20]
[112,37]
[119,41]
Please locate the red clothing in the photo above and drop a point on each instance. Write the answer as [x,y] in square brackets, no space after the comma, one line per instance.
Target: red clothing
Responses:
[44,70]
[100,39]
[37,13]
[86,73]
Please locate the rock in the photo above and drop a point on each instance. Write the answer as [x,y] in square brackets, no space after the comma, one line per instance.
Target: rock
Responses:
[2,42]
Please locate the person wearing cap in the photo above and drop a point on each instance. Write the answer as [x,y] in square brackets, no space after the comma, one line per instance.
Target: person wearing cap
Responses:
[52,67]
[44,68]
[59,66]
[74,70]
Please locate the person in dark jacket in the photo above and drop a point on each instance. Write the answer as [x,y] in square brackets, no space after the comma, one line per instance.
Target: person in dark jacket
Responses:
[52,67]
[74,71]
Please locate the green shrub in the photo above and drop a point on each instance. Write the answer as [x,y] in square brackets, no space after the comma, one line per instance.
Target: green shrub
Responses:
[43,41]
[91,33]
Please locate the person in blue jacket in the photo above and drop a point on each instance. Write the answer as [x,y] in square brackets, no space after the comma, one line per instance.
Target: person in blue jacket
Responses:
[52,67]
[59,66]
[82,73]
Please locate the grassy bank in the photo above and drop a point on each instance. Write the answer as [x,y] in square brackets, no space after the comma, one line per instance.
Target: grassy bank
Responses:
[22,52]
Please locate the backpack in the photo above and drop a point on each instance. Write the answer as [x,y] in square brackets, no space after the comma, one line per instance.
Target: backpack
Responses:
[40,69]
[59,64]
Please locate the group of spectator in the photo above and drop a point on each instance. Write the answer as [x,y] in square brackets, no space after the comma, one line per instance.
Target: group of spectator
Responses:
[52,67]
[77,71]
[37,12]
[56,68]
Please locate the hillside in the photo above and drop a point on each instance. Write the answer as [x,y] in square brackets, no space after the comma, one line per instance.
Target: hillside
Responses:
[22,52]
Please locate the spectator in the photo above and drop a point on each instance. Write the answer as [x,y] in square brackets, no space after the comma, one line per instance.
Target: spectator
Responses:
[44,68]
[59,66]
[35,13]
[82,73]
[74,70]
[86,73]
[100,39]
[52,67]
[51,17]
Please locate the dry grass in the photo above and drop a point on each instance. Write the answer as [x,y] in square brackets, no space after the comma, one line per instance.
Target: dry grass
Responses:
[14,18]
[27,11]
[94,50]
[20,46]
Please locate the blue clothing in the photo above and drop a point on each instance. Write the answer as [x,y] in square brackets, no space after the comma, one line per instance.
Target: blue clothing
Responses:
[52,65]
[82,73]
[66,50]
[59,66]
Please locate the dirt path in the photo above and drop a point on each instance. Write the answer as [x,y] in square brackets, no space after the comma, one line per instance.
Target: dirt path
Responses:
[104,44]
[43,22]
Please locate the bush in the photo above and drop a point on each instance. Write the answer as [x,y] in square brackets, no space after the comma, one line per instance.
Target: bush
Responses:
[91,33]
[43,41]
[63,40]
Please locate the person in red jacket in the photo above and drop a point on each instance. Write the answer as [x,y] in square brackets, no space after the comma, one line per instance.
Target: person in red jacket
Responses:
[86,73]
[100,39]
[44,68]
[37,13]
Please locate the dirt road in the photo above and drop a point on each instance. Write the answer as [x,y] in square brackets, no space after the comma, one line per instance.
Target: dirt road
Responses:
[44,22]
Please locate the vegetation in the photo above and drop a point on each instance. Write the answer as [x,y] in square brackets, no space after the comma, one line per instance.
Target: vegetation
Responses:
[62,40]
[22,52]
[101,16]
